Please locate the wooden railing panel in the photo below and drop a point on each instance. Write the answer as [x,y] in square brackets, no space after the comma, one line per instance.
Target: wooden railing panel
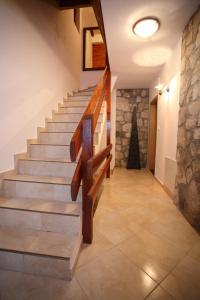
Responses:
[108,104]
[76,180]
[94,163]
[93,192]
[76,142]
[87,178]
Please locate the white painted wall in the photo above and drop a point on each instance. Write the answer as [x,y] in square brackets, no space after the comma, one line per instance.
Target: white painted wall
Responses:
[40,61]
[167,122]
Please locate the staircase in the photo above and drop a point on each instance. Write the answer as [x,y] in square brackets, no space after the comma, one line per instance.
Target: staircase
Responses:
[40,226]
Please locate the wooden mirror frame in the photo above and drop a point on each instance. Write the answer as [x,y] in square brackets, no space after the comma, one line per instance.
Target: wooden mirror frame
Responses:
[84,49]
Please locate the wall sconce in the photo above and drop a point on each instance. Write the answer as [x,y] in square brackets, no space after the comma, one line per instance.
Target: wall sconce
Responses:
[161,90]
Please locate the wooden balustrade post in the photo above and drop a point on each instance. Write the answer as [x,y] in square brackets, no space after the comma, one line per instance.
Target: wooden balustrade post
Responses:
[108,105]
[87,179]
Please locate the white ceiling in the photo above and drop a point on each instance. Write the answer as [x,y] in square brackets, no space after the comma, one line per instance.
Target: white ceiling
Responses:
[134,61]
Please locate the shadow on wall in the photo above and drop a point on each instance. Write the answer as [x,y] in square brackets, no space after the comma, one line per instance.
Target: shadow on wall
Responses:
[127,100]
[62,34]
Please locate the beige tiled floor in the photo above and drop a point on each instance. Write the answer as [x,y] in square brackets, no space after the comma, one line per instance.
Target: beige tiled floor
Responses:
[143,249]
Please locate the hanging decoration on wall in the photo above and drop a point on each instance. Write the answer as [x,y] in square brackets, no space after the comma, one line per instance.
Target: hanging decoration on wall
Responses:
[134,151]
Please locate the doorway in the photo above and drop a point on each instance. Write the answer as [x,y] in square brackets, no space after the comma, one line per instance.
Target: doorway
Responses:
[152,134]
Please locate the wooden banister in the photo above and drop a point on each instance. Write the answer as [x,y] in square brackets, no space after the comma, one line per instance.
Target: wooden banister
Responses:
[89,163]
[93,108]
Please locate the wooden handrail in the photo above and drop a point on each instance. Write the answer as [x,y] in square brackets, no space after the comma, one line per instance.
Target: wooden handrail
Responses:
[93,107]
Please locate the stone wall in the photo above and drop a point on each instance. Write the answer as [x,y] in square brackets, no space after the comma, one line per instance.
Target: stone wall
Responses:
[127,99]
[188,147]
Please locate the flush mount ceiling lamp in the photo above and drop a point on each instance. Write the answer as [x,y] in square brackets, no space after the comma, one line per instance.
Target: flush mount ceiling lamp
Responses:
[146,27]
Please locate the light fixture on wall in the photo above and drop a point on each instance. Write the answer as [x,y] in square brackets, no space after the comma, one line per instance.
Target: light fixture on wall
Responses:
[146,27]
[161,90]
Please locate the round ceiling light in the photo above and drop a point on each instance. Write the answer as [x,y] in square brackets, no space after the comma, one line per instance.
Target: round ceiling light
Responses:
[146,27]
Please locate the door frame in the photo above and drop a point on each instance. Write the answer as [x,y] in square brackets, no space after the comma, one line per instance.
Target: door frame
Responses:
[152,136]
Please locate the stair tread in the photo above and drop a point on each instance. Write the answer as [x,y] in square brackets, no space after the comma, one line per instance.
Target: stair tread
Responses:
[41,205]
[79,97]
[90,88]
[52,121]
[29,241]
[48,144]
[47,159]
[65,106]
[71,113]
[46,131]
[39,179]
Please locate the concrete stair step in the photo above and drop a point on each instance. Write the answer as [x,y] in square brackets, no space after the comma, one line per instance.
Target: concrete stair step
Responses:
[77,98]
[65,126]
[42,205]
[66,117]
[38,252]
[84,93]
[40,214]
[37,150]
[74,103]
[46,167]
[38,187]
[70,117]
[77,109]
[55,138]
[90,88]
[59,138]
[53,126]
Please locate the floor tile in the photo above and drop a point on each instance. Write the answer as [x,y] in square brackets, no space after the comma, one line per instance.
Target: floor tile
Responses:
[114,276]
[159,294]
[195,251]
[18,286]
[174,227]
[184,282]
[96,249]
[156,256]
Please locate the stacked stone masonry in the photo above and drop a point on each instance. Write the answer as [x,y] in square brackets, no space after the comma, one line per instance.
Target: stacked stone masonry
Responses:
[127,100]
[188,144]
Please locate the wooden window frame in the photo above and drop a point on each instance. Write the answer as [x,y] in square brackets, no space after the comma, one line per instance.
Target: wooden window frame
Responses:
[84,50]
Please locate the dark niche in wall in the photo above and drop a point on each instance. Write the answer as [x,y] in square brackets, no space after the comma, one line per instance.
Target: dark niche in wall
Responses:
[134,150]
[127,101]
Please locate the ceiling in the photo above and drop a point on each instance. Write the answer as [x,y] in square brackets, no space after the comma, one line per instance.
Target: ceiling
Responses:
[134,61]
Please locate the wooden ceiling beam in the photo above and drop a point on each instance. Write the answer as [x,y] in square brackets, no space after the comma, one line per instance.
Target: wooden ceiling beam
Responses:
[68,4]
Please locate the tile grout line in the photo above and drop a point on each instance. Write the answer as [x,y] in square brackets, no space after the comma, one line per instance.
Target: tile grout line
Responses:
[82,289]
